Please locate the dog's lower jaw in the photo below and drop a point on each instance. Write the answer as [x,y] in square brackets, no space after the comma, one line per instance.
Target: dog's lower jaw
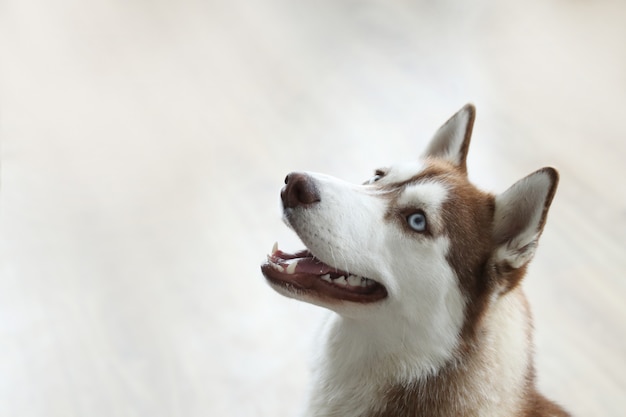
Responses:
[492,380]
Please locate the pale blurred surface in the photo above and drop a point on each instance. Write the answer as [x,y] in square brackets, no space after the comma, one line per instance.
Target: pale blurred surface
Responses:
[144,145]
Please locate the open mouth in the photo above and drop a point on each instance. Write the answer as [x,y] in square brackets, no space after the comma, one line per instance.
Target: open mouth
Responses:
[302,272]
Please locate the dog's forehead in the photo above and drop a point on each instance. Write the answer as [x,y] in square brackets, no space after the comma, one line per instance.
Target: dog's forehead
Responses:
[429,193]
[426,184]
[403,172]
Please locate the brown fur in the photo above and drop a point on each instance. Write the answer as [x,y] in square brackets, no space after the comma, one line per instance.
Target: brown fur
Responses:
[452,392]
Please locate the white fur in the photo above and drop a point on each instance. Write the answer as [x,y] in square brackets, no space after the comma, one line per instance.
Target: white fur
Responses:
[430,194]
[448,140]
[502,364]
[523,204]
[402,172]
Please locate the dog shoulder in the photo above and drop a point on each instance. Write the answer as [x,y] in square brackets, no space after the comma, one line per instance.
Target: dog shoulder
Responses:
[540,406]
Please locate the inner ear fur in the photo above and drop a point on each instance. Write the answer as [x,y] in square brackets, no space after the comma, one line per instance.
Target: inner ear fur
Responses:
[451,141]
[519,217]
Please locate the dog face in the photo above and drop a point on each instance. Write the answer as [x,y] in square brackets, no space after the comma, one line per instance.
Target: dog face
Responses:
[416,244]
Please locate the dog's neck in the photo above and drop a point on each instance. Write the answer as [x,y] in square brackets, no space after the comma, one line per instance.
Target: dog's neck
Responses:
[361,373]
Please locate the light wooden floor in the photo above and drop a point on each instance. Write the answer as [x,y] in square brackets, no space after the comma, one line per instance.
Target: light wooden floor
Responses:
[144,145]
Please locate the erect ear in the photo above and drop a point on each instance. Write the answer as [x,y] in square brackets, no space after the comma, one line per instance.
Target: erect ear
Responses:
[451,141]
[520,214]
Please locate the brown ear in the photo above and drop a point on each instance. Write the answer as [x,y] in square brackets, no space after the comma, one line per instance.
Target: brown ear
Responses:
[520,214]
[451,141]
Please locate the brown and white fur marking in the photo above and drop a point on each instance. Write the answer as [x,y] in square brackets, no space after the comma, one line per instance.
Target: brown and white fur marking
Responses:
[422,270]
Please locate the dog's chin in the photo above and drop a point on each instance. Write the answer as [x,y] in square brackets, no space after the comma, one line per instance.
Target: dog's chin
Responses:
[300,275]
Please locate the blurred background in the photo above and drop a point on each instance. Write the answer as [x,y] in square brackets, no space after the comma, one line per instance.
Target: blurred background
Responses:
[144,144]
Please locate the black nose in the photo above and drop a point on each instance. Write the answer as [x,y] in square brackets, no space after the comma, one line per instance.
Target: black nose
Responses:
[299,190]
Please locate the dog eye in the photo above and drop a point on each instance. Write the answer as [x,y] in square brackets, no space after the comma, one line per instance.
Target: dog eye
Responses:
[417,221]
[374,179]
[377,175]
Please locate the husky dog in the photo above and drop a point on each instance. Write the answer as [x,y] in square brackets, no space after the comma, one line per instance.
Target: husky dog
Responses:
[423,271]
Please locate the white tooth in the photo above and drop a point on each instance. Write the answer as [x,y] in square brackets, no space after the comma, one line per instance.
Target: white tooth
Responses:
[275,248]
[364,282]
[292,267]
[341,281]
[354,280]
[279,268]
[326,277]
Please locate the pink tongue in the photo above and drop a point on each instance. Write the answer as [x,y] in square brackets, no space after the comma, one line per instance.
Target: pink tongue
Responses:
[307,264]
[313,266]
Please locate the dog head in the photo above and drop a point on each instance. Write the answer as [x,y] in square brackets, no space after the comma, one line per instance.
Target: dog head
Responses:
[417,242]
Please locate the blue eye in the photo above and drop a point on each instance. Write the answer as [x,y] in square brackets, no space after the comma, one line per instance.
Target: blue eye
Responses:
[417,221]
